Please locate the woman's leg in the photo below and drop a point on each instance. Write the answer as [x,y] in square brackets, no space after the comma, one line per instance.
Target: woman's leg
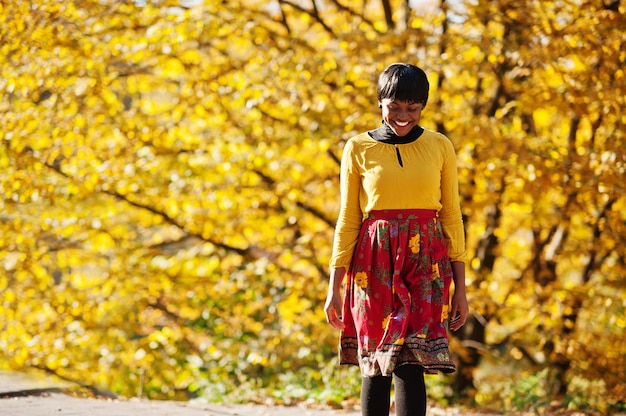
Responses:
[375,396]
[410,390]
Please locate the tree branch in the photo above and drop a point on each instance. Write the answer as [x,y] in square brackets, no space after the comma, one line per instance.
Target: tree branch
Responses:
[354,13]
[316,213]
[313,13]
[250,252]
[593,263]
[388,14]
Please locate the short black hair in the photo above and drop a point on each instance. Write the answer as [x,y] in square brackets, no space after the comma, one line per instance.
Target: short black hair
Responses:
[403,82]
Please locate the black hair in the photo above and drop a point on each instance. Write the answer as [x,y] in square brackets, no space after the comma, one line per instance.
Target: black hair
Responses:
[403,82]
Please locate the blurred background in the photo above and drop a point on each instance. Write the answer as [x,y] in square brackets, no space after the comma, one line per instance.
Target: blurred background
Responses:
[169,181]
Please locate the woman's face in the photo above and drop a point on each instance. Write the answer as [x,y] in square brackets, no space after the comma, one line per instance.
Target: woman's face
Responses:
[401,116]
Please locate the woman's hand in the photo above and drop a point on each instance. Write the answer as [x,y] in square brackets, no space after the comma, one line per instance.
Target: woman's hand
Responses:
[460,310]
[333,305]
[332,309]
[460,307]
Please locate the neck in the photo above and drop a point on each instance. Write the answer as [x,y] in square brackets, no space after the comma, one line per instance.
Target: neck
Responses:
[385,134]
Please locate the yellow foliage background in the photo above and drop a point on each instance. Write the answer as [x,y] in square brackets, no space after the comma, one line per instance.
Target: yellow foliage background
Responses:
[169,173]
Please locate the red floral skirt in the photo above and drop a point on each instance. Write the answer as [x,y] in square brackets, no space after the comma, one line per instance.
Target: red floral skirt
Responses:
[397,295]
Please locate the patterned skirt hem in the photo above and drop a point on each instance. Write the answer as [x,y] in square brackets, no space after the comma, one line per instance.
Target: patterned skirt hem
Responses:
[432,355]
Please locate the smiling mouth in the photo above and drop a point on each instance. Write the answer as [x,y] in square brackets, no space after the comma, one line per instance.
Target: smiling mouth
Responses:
[402,123]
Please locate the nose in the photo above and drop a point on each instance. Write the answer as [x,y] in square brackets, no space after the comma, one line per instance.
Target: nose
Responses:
[401,112]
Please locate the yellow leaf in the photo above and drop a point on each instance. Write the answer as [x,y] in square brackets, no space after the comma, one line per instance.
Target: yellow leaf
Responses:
[191,57]
[102,242]
[171,68]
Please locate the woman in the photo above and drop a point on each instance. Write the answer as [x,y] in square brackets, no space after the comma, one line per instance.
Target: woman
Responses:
[399,242]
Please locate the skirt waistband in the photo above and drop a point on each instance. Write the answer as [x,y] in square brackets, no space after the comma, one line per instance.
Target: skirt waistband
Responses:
[402,214]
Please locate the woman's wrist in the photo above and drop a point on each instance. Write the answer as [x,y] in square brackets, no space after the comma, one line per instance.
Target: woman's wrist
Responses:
[458,275]
[336,278]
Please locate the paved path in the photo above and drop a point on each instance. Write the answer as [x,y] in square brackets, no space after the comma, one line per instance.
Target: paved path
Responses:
[62,405]
[29,395]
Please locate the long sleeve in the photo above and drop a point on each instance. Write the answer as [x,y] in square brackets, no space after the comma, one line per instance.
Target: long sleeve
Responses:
[350,214]
[450,213]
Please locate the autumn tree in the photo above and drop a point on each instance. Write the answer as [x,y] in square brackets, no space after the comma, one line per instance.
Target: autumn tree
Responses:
[544,168]
[170,181]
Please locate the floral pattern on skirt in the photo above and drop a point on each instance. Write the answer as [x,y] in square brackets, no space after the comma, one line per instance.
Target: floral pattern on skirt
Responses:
[397,295]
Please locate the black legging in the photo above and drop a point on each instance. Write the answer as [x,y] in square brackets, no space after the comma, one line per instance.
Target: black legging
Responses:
[410,393]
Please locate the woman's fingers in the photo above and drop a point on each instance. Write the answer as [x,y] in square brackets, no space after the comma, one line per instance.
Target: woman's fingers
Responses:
[459,313]
[457,322]
[338,323]
[333,318]
[332,309]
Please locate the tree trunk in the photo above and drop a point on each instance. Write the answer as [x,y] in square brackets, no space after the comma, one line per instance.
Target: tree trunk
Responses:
[472,337]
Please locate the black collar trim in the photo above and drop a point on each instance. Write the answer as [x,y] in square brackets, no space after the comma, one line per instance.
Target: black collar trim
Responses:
[384,134]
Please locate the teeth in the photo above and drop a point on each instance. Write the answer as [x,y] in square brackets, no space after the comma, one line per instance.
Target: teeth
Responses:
[402,123]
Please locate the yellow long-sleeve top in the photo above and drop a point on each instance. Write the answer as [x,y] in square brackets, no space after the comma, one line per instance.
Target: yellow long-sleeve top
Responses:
[373,178]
